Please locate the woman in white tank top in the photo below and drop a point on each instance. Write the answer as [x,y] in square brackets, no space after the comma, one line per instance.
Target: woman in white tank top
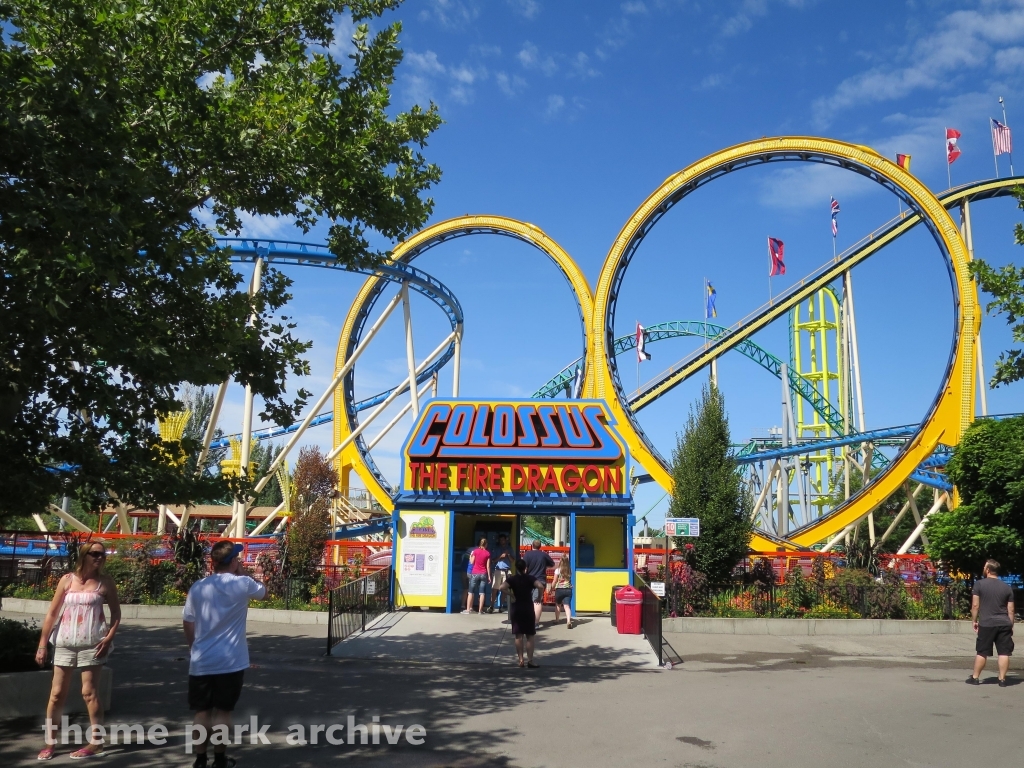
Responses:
[82,639]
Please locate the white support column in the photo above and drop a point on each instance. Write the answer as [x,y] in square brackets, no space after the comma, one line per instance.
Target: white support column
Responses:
[762,498]
[903,511]
[783,510]
[847,400]
[267,520]
[852,319]
[410,353]
[39,522]
[68,518]
[395,420]
[211,428]
[240,508]
[328,393]
[457,361]
[917,517]
[389,399]
[161,520]
[939,501]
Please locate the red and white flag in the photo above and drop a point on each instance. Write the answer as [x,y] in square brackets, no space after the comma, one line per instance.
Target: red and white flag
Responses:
[1002,141]
[777,253]
[952,150]
[641,353]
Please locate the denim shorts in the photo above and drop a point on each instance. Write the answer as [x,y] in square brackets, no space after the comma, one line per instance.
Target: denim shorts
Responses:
[479,584]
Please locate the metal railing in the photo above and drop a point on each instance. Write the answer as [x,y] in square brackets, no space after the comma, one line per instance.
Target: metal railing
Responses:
[651,617]
[352,605]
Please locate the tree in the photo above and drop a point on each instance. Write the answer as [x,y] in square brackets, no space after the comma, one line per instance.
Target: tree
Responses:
[707,484]
[313,485]
[1006,285]
[135,132]
[987,469]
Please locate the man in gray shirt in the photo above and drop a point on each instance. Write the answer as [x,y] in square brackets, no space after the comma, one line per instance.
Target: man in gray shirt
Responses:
[992,612]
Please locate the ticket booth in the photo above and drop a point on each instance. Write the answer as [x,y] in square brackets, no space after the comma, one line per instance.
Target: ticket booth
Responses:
[471,469]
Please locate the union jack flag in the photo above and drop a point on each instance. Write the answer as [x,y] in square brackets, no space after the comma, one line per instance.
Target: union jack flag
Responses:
[1002,141]
[835,210]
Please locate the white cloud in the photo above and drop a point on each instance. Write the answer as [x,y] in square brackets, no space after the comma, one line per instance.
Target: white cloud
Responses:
[525,8]
[425,62]
[750,10]
[530,57]
[962,40]
[429,76]
[485,50]
[808,185]
[711,81]
[510,85]
[342,46]
[1010,60]
[454,14]
[581,66]
[555,105]
[635,6]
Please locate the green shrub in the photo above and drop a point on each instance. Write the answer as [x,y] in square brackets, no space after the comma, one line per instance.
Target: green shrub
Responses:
[18,645]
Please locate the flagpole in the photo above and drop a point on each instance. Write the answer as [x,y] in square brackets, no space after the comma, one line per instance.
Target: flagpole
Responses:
[771,268]
[949,178]
[1007,125]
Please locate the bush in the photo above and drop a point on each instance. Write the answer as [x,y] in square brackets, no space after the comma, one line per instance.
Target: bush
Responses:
[18,645]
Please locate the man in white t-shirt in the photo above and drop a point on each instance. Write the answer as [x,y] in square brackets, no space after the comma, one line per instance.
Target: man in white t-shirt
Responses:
[214,623]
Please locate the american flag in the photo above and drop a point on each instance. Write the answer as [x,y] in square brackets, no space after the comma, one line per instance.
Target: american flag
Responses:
[835,210]
[1002,141]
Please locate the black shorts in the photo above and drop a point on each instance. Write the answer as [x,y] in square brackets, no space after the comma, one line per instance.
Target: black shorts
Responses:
[1001,637]
[214,691]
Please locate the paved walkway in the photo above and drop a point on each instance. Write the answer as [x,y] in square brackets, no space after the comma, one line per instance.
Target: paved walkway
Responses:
[424,636]
[732,702]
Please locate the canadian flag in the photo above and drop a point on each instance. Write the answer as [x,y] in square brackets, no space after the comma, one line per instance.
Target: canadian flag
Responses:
[952,150]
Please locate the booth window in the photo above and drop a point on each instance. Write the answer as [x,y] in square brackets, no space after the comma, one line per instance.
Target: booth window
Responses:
[600,541]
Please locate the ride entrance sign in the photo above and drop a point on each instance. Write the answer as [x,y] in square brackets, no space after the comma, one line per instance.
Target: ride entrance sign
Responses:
[503,455]
[682,526]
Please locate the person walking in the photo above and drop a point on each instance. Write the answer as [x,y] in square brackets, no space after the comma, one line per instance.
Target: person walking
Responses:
[479,576]
[521,589]
[501,565]
[992,614]
[537,564]
[562,586]
[82,639]
[214,623]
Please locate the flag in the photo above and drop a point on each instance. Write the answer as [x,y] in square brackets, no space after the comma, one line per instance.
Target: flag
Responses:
[709,307]
[952,150]
[641,353]
[903,161]
[577,384]
[776,251]
[1002,141]
[835,211]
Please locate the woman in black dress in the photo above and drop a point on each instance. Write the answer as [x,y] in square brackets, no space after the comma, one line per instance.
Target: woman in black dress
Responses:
[524,622]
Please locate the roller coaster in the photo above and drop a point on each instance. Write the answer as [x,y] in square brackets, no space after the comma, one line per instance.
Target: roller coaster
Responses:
[919,450]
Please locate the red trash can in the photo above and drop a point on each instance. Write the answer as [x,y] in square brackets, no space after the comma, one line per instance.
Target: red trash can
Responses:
[629,603]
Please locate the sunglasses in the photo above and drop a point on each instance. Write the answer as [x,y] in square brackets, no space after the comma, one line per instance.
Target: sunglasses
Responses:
[96,554]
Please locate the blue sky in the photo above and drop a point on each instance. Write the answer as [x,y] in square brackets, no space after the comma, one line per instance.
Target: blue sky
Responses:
[568,114]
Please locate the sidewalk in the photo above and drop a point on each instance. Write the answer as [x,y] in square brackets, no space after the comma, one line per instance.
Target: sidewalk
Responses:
[423,636]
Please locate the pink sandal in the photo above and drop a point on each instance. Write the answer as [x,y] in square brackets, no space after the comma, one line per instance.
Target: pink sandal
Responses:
[84,752]
[45,754]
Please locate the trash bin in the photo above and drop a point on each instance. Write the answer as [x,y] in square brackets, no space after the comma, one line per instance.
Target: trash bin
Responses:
[612,610]
[629,603]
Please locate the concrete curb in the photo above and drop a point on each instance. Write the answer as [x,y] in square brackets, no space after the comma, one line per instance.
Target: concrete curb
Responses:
[24,694]
[266,615]
[810,627]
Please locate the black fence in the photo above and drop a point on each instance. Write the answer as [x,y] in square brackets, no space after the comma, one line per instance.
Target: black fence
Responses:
[831,600]
[652,613]
[354,604]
